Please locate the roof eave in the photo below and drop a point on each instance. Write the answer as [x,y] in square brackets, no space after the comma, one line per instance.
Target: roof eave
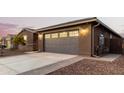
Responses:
[108,28]
[68,24]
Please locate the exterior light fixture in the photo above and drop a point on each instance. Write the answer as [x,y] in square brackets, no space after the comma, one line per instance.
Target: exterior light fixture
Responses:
[40,36]
[25,37]
[84,32]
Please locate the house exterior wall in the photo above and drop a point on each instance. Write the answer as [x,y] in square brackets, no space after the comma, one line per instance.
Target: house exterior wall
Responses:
[97,31]
[29,42]
[84,38]
[116,45]
[35,41]
[40,41]
[123,46]
[110,41]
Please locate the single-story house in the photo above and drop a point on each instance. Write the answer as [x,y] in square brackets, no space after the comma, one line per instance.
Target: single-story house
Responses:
[31,39]
[87,36]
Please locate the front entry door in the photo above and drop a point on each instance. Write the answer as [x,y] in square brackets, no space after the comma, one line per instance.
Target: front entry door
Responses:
[101,44]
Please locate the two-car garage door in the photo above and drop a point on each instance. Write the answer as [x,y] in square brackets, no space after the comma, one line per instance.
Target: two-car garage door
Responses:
[62,42]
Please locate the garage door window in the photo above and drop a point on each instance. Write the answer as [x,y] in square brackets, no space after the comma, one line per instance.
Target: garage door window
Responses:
[63,34]
[55,35]
[73,33]
[47,36]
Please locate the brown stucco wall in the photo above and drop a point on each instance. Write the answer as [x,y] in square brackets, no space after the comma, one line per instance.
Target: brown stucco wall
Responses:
[123,46]
[40,41]
[110,46]
[116,44]
[35,41]
[29,42]
[84,38]
[106,33]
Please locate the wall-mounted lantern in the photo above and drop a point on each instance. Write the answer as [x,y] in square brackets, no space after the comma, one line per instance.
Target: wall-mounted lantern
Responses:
[84,31]
[25,37]
[40,36]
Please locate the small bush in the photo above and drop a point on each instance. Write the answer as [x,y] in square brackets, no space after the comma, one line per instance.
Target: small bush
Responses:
[19,40]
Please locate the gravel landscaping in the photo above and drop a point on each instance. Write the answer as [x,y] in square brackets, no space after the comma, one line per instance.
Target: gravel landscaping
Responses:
[93,67]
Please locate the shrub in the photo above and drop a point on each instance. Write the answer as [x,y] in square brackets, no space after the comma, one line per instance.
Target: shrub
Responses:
[19,40]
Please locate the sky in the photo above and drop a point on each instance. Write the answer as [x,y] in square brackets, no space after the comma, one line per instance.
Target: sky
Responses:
[13,25]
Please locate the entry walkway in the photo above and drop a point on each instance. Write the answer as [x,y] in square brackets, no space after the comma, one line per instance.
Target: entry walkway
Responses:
[108,57]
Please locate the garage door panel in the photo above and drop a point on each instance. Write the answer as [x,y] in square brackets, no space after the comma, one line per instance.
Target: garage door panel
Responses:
[67,45]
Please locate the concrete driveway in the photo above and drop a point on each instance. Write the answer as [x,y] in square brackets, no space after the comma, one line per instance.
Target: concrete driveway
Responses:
[23,63]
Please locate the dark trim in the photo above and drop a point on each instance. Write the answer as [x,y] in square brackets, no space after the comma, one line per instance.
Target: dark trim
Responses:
[43,42]
[91,41]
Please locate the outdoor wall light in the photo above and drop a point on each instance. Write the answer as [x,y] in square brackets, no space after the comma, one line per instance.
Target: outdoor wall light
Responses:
[25,37]
[84,32]
[40,36]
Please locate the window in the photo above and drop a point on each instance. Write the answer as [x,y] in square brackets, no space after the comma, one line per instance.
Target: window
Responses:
[63,34]
[25,37]
[101,40]
[110,36]
[73,33]
[55,35]
[47,36]
[8,38]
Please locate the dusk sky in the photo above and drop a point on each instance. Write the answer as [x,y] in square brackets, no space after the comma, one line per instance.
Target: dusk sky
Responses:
[15,24]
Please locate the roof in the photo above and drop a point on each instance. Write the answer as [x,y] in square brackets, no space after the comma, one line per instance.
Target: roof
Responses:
[77,22]
[30,30]
[11,34]
[109,28]
[71,23]
[27,29]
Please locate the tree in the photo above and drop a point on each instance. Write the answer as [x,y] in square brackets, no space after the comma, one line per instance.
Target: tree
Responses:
[18,40]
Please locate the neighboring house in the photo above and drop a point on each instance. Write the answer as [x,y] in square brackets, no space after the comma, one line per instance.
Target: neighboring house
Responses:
[31,38]
[0,40]
[3,41]
[9,41]
[81,37]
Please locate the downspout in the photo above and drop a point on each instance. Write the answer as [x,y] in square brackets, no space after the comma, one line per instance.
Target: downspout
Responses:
[92,40]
